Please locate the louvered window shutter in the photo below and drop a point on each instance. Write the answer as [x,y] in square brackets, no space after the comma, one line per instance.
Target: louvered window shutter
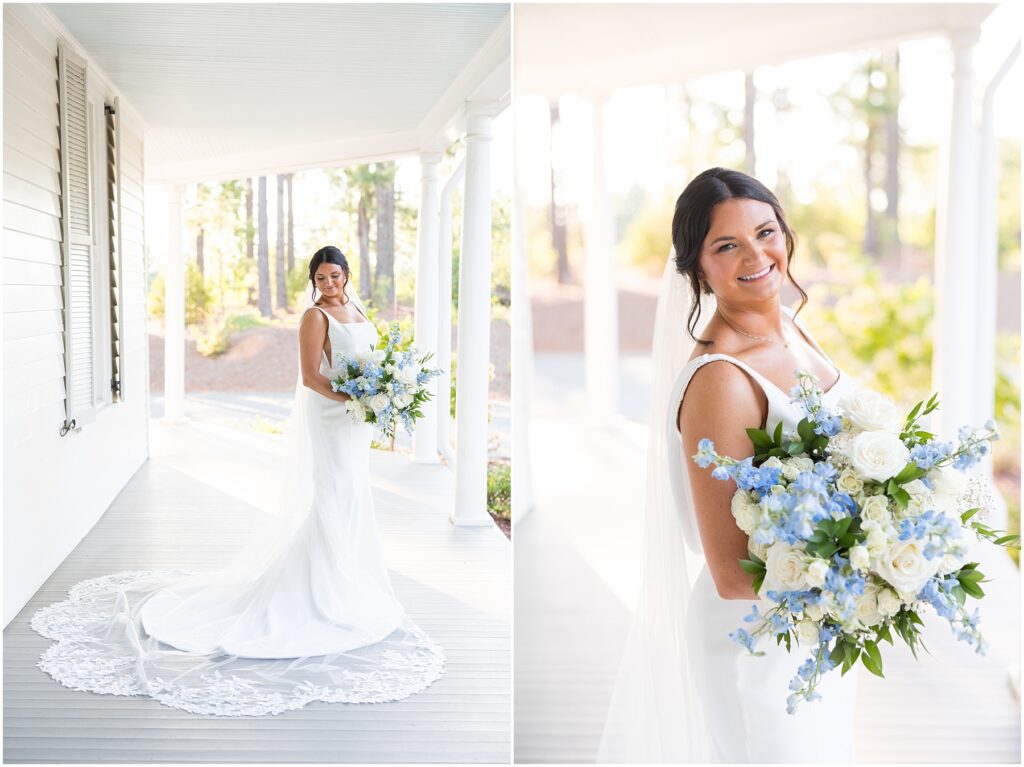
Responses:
[114,219]
[77,244]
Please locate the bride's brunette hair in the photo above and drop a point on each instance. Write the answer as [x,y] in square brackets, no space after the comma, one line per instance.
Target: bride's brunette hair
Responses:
[692,220]
[328,255]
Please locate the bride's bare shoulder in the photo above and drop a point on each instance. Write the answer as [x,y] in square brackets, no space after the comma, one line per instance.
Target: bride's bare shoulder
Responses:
[720,388]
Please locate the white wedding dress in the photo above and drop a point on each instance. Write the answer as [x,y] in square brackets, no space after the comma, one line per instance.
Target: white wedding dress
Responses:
[685,692]
[304,615]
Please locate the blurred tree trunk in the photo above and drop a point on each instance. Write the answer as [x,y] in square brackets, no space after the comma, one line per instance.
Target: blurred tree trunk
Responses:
[291,223]
[750,98]
[249,232]
[264,251]
[363,230]
[279,254]
[384,278]
[559,238]
[892,157]
[200,261]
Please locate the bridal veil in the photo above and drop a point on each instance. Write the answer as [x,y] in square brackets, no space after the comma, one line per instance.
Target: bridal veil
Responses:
[654,715]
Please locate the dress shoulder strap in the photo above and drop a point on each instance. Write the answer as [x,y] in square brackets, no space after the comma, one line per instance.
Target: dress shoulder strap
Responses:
[691,367]
[322,311]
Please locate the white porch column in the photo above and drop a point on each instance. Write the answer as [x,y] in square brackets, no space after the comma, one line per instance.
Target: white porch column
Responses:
[988,250]
[424,441]
[444,315]
[600,298]
[474,322]
[174,312]
[956,326]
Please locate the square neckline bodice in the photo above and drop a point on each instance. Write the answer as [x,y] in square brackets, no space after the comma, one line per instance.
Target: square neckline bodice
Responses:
[760,377]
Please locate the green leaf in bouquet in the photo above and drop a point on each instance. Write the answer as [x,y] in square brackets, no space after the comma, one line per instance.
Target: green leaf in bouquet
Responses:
[924,436]
[851,659]
[847,541]
[1008,539]
[758,581]
[806,431]
[914,618]
[752,567]
[968,514]
[838,654]
[760,439]
[819,444]
[872,658]
[789,645]
[883,633]
[971,575]
[972,588]
[915,411]
[960,594]
[777,435]
[909,472]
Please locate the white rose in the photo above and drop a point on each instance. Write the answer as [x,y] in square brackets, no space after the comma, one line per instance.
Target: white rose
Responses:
[876,509]
[867,606]
[801,462]
[816,572]
[814,612]
[404,400]
[870,411]
[378,402]
[356,409]
[948,485]
[878,455]
[784,569]
[955,558]
[839,448]
[905,566]
[920,498]
[859,559]
[378,355]
[745,511]
[888,603]
[806,633]
[848,482]
[407,375]
[759,550]
[878,539]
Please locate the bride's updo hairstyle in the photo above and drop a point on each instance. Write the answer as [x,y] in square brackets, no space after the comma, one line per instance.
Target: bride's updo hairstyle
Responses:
[692,220]
[328,255]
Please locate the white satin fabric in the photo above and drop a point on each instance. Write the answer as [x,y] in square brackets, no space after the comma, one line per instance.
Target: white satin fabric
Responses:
[317,620]
[685,692]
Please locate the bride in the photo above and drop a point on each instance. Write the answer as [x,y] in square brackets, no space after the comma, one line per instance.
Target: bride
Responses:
[725,352]
[304,612]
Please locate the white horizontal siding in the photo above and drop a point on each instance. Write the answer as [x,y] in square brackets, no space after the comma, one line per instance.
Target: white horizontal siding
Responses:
[55,489]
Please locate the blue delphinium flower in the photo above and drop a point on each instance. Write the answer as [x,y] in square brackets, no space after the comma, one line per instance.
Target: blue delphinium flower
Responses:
[743,637]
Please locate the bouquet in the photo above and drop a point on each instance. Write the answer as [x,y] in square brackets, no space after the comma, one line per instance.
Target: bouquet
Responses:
[856,522]
[386,386]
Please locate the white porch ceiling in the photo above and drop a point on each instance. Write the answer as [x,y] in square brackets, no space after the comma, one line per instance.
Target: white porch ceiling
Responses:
[565,48]
[239,89]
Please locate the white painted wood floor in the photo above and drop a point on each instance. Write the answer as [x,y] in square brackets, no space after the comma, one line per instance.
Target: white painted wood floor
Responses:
[576,567]
[183,508]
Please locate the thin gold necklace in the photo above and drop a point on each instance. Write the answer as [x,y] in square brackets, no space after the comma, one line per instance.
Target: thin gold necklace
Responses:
[751,335]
